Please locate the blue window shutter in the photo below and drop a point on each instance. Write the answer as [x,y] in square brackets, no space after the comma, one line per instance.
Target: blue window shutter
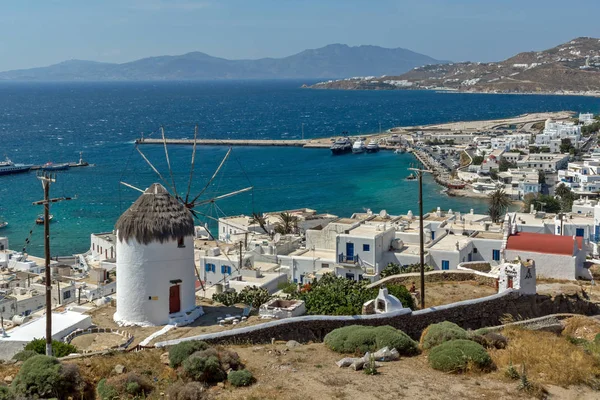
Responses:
[223,269]
[366,247]
[213,268]
[207,267]
[229,270]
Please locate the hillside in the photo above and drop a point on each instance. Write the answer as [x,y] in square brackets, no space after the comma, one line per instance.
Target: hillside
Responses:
[569,67]
[335,60]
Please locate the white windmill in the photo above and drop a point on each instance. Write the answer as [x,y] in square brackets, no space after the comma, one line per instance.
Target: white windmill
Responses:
[156,273]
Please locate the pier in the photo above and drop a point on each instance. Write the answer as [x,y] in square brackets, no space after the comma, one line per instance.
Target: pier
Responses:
[322,143]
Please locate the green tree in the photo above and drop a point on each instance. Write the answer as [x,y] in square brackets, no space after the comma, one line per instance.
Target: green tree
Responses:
[287,223]
[505,165]
[477,160]
[565,145]
[391,269]
[542,202]
[260,219]
[498,203]
[566,197]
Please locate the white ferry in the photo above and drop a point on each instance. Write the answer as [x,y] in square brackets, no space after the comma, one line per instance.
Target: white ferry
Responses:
[8,167]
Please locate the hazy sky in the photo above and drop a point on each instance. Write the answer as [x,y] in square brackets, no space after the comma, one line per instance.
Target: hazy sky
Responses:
[39,33]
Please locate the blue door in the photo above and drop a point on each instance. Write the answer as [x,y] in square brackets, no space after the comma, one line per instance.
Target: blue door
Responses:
[445,264]
[350,251]
[579,232]
[470,257]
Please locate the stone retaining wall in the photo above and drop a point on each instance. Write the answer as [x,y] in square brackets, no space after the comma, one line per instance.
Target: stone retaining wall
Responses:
[436,276]
[126,335]
[470,314]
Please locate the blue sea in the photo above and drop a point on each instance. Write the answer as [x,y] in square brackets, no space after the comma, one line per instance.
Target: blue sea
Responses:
[41,122]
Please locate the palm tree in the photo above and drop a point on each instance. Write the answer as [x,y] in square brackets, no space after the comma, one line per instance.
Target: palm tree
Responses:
[288,223]
[562,190]
[498,201]
[259,218]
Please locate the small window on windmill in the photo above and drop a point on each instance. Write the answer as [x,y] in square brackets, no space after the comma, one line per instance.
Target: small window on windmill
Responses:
[180,242]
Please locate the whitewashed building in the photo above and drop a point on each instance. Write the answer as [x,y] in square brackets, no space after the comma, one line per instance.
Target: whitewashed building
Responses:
[582,177]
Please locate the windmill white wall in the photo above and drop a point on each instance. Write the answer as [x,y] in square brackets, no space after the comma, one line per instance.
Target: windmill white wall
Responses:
[156,274]
[145,274]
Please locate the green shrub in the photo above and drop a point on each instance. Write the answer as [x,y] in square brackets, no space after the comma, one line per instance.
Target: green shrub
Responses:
[43,376]
[6,393]
[489,340]
[181,351]
[288,287]
[123,386]
[458,356]
[402,294]
[204,368]
[24,355]
[106,391]
[239,378]
[360,339]
[59,349]
[187,391]
[436,334]
[251,296]
[597,338]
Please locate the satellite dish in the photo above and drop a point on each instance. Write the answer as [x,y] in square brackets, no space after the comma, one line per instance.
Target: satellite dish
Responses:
[383,214]
[277,238]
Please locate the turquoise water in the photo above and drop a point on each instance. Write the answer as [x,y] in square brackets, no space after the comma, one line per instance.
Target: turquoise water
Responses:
[53,122]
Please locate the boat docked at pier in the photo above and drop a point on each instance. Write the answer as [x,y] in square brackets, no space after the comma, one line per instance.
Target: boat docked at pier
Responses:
[8,167]
[55,167]
[341,146]
[358,146]
[373,147]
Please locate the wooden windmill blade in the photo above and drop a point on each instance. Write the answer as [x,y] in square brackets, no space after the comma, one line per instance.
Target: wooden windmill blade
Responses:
[187,195]
[154,168]
[162,130]
[212,178]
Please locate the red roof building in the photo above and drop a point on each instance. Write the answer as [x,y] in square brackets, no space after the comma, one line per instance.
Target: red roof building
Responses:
[543,243]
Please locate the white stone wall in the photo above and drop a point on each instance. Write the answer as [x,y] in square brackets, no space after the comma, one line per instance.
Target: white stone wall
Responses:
[548,265]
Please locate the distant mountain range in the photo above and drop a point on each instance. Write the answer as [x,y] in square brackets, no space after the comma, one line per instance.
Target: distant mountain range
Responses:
[332,61]
[572,67]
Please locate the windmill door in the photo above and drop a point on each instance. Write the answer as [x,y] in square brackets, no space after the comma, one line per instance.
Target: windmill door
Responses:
[174,299]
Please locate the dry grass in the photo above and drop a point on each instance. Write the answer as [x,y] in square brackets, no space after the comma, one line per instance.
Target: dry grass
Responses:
[441,293]
[548,359]
[581,327]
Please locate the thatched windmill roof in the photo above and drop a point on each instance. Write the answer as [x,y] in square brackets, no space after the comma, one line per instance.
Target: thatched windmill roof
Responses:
[155,216]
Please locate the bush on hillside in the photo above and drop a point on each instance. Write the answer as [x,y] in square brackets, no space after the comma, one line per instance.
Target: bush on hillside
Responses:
[240,378]
[187,391]
[402,294]
[360,339]
[24,355]
[204,368]
[459,356]
[43,376]
[6,393]
[59,349]
[181,351]
[122,386]
[436,334]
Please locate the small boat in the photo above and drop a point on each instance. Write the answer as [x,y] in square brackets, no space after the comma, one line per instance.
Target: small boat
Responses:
[55,167]
[358,146]
[40,219]
[411,177]
[341,146]
[372,147]
[399,150]
[8,167]
[3,224]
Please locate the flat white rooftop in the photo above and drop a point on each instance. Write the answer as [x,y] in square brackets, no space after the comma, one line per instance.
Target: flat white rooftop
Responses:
[63,323]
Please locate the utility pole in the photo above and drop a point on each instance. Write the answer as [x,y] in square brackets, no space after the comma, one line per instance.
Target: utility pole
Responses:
[47,179]
[420,172]
[241,255]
